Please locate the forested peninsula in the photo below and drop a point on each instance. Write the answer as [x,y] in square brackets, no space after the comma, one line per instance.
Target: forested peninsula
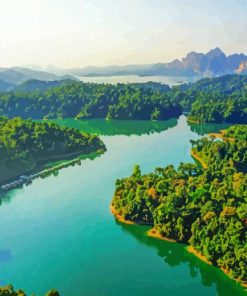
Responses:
[204,207]
[24,144]
[217,100]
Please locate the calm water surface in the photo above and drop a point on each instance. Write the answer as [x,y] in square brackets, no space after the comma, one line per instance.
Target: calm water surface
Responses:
[170,80]
[59,231]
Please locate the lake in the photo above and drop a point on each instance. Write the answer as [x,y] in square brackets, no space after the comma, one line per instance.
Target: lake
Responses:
[170,80]
[59,232]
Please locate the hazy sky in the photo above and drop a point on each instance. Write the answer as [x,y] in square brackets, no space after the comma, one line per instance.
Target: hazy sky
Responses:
[75,33]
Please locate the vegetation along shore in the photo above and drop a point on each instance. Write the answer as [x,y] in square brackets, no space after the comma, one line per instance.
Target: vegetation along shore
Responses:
[202,206]
[26,145]
[217,100]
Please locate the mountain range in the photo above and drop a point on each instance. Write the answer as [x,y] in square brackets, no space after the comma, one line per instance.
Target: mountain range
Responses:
[12,77]
[210,64]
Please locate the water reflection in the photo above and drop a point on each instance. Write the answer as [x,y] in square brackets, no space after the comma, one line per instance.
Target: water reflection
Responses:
[205,128]
[44,170]
[134,127]
[175,254]
[117,127]
[6,197]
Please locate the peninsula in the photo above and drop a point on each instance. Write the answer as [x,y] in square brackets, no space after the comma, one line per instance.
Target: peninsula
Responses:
[26,145]
[203,206]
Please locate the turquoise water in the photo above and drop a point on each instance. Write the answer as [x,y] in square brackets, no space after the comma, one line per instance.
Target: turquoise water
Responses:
[59,232]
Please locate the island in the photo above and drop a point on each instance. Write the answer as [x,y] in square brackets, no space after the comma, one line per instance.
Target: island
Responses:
[202,204]
[26,145]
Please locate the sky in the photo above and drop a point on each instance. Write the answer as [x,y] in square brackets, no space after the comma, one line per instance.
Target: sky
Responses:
[78,33]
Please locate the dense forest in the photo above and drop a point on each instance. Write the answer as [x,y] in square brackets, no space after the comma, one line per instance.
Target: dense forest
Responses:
[24,143]
[221,99]
[40,86]
[218,109]
[236,131]
[203,206]
[88,100]
[218,100]
[9,291]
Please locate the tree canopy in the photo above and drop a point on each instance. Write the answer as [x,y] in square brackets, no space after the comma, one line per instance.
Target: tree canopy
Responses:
[9,291]
[221,99]
[206,208]
[88,100]
[24,143]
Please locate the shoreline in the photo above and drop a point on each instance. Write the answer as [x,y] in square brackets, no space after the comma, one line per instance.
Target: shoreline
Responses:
[221,135]
[216,135]
[190,249]
[189,120]
[155,234]
[119,217]
[200,256]
[39,168]
[150,233]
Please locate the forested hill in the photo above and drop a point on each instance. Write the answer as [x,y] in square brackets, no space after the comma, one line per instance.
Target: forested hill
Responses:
[40,86]
[88,100]
[226,84]
[218,100]
[205,208]
[222,99]
[24,143]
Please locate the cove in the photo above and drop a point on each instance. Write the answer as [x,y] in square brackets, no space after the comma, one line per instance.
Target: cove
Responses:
[58,232]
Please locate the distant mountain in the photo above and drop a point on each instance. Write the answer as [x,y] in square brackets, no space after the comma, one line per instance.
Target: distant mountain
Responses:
[5,86]
[213,63]
[242,69]
[16,75]
[40,86]
[110,70]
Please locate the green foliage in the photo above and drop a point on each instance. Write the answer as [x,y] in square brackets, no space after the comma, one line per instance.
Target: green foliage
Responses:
[222,99]
[9,291]
[24,143]
[237,131]
[53,293]
[87,100]
[205,208]
[41,86]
